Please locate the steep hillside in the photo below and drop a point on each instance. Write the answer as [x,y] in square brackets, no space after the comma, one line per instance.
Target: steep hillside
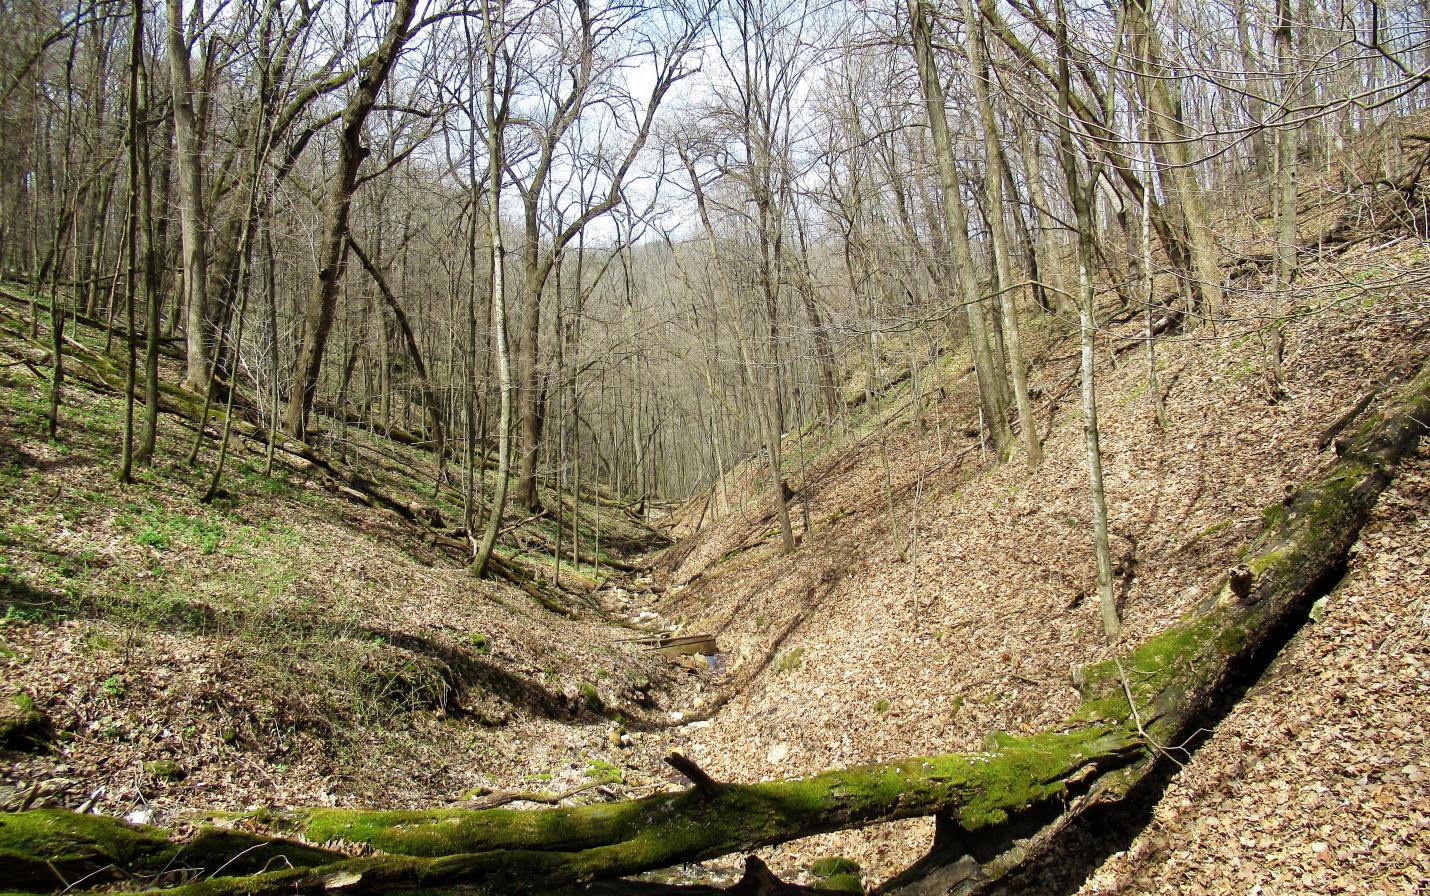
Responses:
[283,644]
[1317,781]
[963,611]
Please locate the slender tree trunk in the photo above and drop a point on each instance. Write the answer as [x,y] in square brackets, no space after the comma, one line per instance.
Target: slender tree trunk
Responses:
[1159,408]
[152,298]
[136,49]
[191,196]
[1082,196]
[990,377]
[1174,142]
[424,382]
[528,377]
[1285,186]
[993,188]
[1255,106]
[495,122]
[321,305]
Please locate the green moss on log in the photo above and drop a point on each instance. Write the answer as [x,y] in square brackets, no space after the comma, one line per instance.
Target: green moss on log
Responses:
[586,842]
[1302,540]
[46,848]
[40,847]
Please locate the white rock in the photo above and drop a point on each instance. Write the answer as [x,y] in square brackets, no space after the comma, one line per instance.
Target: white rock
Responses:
[778,753]
[140,816]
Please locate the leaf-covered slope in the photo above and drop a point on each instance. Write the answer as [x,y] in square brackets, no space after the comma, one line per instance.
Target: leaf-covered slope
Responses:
[965,612]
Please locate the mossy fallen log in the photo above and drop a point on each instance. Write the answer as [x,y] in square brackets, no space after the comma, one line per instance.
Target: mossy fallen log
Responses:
[511,851]
[52,850]
[1169,687]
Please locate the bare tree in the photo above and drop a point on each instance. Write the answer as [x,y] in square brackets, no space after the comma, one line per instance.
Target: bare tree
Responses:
[990,374]
[192,222]
[332,262]
[1081,189]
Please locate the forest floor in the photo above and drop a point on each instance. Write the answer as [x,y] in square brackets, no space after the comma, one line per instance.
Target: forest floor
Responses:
[283,645]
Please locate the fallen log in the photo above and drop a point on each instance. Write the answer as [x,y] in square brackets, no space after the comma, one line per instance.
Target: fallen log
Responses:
[514,851]
[995,807]
[1167,687]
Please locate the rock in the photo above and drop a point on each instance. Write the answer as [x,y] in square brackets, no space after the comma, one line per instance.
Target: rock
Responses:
[23,726]
[695,662]
[139,816]
[778,753]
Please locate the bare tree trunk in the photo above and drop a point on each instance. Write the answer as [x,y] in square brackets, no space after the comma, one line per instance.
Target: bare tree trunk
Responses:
[332,258]
[136,50]
[152,298]
[1174,142]
[1285,186]
[990,377]
[1082,196]
[1050,268]
[424,382]
[495,121]
[191,197]
[1159,408]
[993,188]
[1255,106]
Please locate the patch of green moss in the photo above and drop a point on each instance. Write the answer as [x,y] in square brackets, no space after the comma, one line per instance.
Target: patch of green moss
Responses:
[1273,516]
[590,697]
[1152,669]
[832,865]
[1163,667]
[602,772]
[441,832]
[1021,771]
[841,883]
[1214,529]
[164,769]
[34,844]
[1316,514]
[790,660]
